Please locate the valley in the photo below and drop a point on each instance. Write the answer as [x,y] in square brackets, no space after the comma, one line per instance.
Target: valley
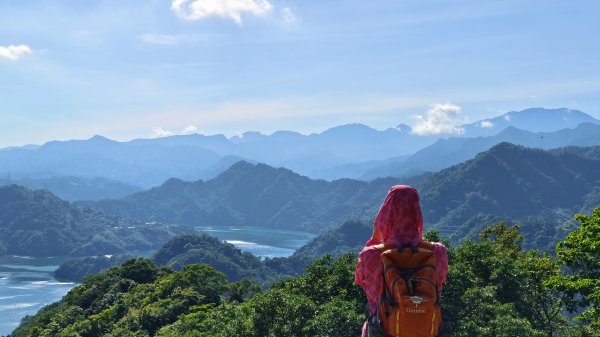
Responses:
[466,185]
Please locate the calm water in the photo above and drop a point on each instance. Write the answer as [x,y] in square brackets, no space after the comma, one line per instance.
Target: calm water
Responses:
[27,284]
[263,242]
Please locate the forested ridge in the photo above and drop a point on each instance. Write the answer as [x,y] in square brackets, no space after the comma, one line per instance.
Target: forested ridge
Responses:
[539,189]
[494,288]
[237,265]
[37,223]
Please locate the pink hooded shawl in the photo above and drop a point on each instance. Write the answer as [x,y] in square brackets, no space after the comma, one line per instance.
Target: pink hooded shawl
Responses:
[399,221]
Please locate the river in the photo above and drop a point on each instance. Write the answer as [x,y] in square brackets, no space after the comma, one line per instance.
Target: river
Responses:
[27,284]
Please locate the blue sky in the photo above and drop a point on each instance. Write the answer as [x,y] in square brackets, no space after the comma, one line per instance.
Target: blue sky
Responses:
[145,68]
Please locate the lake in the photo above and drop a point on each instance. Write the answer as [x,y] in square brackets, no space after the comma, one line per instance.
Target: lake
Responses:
[27,284]
[262,242]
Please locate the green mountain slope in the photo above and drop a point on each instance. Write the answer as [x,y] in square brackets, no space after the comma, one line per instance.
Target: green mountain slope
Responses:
[76,188]
[512,182]
[349,237]
[37,223]
[541,189]
[254,195]
[205,249]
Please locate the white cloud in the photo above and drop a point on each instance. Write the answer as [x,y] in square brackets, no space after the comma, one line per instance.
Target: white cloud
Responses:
[14,52]
[507,118]
[158,132]
[486,124]
[189,130]
[232,9]
[288,15]
[440,118]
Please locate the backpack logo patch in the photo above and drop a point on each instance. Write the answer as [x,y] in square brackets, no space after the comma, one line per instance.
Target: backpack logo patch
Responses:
[417,299]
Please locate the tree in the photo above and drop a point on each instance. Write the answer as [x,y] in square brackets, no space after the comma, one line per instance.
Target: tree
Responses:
[579,253]
[495,288]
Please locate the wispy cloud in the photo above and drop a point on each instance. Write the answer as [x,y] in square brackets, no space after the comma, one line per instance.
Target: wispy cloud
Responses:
[232,9]
[158,132]
[441,118]
[288,15]
[188,130]
[163,39]
[13,52]
[170,40]
[486,124]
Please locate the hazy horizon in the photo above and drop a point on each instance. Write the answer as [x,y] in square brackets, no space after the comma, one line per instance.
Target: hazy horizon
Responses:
[146,69]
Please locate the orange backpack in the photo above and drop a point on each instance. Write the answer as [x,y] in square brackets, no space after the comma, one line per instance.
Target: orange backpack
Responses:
[410,304]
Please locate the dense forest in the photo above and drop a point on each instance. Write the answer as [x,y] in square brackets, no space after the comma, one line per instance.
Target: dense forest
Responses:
[506,182]
[237,265]
[494,288]
[37,223]
[538,189]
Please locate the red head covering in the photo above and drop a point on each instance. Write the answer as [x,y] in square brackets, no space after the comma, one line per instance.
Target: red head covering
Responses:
[399,219]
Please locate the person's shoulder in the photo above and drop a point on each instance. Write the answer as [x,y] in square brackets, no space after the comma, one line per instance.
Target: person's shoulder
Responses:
[369,250]
[438,245]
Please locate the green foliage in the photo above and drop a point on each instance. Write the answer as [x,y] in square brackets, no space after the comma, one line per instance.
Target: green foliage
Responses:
[580,254]
[225,257]
[242,290]
[494,288]
[294,307]
[37,223]
[135,299]
[77,268]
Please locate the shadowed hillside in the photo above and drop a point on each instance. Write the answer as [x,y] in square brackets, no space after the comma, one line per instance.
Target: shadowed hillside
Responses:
[37,223]
[254,195]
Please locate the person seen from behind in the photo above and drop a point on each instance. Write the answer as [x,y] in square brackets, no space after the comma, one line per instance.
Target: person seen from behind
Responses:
[401,273]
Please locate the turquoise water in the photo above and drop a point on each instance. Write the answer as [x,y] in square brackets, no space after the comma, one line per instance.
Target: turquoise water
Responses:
[262,242]
[27,284]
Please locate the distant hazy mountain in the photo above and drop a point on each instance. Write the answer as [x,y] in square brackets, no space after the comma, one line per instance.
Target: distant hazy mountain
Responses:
[132,163]
[447,152]
[37,223]
[74,188]
[149,162]
[365,170]
[534,120]
[342,151]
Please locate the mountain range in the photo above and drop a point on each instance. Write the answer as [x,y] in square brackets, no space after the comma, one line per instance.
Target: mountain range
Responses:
[450,151]
[506,182]
[539,189]
[252,195]
[346,151]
